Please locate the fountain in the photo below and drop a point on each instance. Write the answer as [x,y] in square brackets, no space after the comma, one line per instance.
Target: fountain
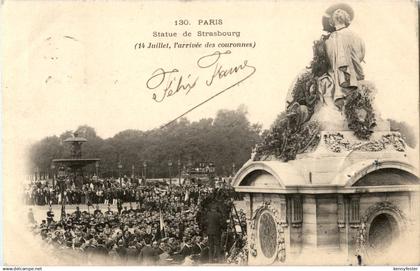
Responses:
[75,163]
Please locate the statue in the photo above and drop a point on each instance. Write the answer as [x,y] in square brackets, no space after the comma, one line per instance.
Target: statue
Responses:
[329,95]
[346,98]
[345,51]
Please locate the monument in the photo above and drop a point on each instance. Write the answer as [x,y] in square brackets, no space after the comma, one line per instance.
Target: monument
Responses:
[330,177]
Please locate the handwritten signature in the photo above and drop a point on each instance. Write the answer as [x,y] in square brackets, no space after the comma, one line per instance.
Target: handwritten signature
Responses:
[167,83]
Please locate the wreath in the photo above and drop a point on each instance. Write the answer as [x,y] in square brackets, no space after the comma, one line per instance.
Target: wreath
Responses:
[359,112]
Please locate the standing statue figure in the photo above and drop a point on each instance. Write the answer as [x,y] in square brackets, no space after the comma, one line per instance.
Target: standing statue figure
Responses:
[345,51]
[331,94]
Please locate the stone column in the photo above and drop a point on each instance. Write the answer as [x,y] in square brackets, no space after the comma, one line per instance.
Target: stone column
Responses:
[353,217]
[415,206]
[342,223]
[309,229]
[414,215]
[294,223]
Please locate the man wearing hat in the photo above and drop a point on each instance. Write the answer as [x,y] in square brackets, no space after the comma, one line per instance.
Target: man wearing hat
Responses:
[345,51]
[77,213]
[101,246]
[97,211]
[214,223]
[132,252]
[50,215]
[122,250]
[109,212]
[148,255]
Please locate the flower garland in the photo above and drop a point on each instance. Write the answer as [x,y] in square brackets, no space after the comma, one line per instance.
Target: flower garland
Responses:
[284,144]
[292,132]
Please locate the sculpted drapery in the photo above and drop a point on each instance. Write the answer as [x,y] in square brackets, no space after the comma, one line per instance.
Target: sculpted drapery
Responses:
[345,51]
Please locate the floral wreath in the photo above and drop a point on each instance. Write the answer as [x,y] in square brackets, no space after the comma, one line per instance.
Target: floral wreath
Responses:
[359,112]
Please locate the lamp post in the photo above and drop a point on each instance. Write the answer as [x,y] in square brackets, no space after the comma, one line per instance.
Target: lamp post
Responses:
[53,174]
[97,169]
[145,170]
[179,171]
[132,171]
[119,172]
[189,171]
[37,172]
[170,172]
[61,182]
[189,165]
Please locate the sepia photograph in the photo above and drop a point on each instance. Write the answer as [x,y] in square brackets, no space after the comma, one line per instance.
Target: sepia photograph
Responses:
[217,134]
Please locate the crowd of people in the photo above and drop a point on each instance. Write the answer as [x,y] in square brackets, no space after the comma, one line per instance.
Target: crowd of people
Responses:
[146,224]
[100,191]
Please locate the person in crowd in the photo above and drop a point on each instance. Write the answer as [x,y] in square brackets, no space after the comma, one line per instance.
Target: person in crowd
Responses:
[156,247]
[161,229]
[31,218]
[132,253]
[121,250]
[97,211]
[228,239]
[214,222]
[77,213]
[109,212]
[119,205]
[204,254]
[197,246]
[50,216]
[148,256]
[165,257]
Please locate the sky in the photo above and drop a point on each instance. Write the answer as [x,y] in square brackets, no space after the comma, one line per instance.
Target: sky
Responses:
[74,63]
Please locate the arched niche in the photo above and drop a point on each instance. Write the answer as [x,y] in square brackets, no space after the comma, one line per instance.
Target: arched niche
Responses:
[387,176]
[260,178]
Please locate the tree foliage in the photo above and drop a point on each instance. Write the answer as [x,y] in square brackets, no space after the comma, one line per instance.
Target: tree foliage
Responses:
[406,130]
[225,140]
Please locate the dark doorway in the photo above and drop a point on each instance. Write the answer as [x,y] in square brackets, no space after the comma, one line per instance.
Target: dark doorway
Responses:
[383,231]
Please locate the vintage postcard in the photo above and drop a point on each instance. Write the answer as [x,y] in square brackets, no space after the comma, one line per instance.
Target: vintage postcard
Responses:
[225,133]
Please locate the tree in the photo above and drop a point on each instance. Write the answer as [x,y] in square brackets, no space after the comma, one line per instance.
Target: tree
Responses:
[225,140]
[407,132]
[42,153]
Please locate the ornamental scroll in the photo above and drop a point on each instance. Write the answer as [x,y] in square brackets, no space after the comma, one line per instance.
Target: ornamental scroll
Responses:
[336,142]
[266,222]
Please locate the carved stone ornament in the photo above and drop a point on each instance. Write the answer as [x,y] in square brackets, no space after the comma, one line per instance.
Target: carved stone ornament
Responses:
[268,219]
[336,142]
